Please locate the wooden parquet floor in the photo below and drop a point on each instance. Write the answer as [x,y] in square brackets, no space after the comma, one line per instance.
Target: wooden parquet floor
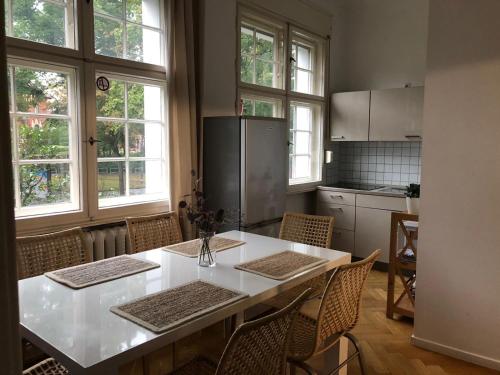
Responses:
[386,342]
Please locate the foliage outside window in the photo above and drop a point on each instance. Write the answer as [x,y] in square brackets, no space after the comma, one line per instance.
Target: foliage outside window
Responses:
[130,153]
[43,128]
[129,29]
[261,56]
[261,106]
[49,22]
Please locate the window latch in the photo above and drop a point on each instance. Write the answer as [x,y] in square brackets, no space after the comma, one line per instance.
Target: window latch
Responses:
[292,60]
[92,140]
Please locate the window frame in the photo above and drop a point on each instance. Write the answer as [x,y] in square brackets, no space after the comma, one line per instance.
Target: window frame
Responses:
[252,95]
[287,95]
[86,63]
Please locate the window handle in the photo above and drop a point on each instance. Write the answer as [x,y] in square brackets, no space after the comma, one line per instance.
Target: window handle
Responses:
[292,60]
[92,140]
[289,143]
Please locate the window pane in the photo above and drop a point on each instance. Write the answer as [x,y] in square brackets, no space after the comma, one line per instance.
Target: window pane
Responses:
[42,184]
[112,139]
[111,103]
[39,91]
[42,138]
[144,102]
[302,167]
[303,57]
[139,20]
[303,118]
[146,12]
[303,82]
[302,142]
[111,179]
[145,140]
[109,7]
[264,73]
[246,40]
[143,44]
[108,37]
[247,107]
[42,22]
[247,69]
[264,46]
[264,109]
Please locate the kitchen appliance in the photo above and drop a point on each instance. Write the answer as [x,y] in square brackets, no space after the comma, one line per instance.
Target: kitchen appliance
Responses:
[245,171]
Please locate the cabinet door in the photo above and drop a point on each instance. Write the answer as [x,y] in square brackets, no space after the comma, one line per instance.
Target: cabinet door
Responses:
[396,114]
[350,116]
[373,231]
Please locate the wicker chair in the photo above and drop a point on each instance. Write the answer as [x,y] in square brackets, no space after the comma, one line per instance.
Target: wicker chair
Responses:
[310,230]
[257,347]
[47,367]
[151,232]
[48,252]
[322,322]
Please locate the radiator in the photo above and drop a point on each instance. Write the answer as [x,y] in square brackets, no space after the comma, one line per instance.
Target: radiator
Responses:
[108,242]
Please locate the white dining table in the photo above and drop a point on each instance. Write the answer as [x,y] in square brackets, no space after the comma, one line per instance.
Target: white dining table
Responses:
[77,328]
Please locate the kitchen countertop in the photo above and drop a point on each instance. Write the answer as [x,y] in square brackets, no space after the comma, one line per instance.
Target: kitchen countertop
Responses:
[386,191]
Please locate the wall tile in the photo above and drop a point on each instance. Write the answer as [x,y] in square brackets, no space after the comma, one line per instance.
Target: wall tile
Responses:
[390,163]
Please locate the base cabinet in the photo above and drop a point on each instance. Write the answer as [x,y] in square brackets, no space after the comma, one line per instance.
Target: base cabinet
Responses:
[373,228]
[364,224]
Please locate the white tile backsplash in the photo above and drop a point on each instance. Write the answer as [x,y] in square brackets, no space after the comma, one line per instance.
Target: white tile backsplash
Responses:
[388,163]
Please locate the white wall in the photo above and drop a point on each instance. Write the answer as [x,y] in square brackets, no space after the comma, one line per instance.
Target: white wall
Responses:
[378,43]
[458,297]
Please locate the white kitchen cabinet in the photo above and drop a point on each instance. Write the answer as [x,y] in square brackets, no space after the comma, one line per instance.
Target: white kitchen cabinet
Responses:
[344,215]
[396,114]
[350,116]
[373,228]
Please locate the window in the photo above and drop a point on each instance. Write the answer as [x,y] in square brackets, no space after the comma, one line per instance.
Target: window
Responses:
[129,29]
[45,151]
[131,153]
[307,64]
[83,151]
[305,141]
[261,106]
[49,22]
[263,92]
[261,55]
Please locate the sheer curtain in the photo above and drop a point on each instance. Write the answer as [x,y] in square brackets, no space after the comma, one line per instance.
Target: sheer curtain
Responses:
[183,99]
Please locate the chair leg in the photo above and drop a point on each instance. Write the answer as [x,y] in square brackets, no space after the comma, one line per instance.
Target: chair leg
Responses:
[361,357]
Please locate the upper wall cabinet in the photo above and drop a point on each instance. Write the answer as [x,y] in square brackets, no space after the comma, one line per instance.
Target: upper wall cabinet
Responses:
[350,116]
[396,114]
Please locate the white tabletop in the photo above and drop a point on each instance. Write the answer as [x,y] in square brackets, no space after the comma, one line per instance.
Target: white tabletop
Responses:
[77,328]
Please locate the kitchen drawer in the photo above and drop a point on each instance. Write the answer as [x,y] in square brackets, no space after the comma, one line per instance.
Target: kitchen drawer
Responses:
[339,197]
[344,215]
[380,202]
[343,240]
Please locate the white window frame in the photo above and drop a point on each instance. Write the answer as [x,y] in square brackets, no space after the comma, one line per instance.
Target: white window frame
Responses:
[86,63]
[319,82]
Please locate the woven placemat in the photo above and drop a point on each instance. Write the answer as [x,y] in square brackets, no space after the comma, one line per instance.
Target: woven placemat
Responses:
[88,274]
[190,248]
[282,265]
[170,308]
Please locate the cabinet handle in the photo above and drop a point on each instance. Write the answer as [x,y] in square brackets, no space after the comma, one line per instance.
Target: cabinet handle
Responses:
[338,137]
[413,136]
[336,209]
[336,196]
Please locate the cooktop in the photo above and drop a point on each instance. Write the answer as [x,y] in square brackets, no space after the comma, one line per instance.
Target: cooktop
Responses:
[356,186]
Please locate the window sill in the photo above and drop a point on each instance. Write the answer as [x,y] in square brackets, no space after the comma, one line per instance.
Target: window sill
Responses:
[303,187]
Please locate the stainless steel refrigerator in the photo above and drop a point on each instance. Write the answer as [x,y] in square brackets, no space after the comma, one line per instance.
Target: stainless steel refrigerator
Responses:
[245,171]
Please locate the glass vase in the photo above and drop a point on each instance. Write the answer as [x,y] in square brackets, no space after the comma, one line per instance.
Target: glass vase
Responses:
[206,257]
